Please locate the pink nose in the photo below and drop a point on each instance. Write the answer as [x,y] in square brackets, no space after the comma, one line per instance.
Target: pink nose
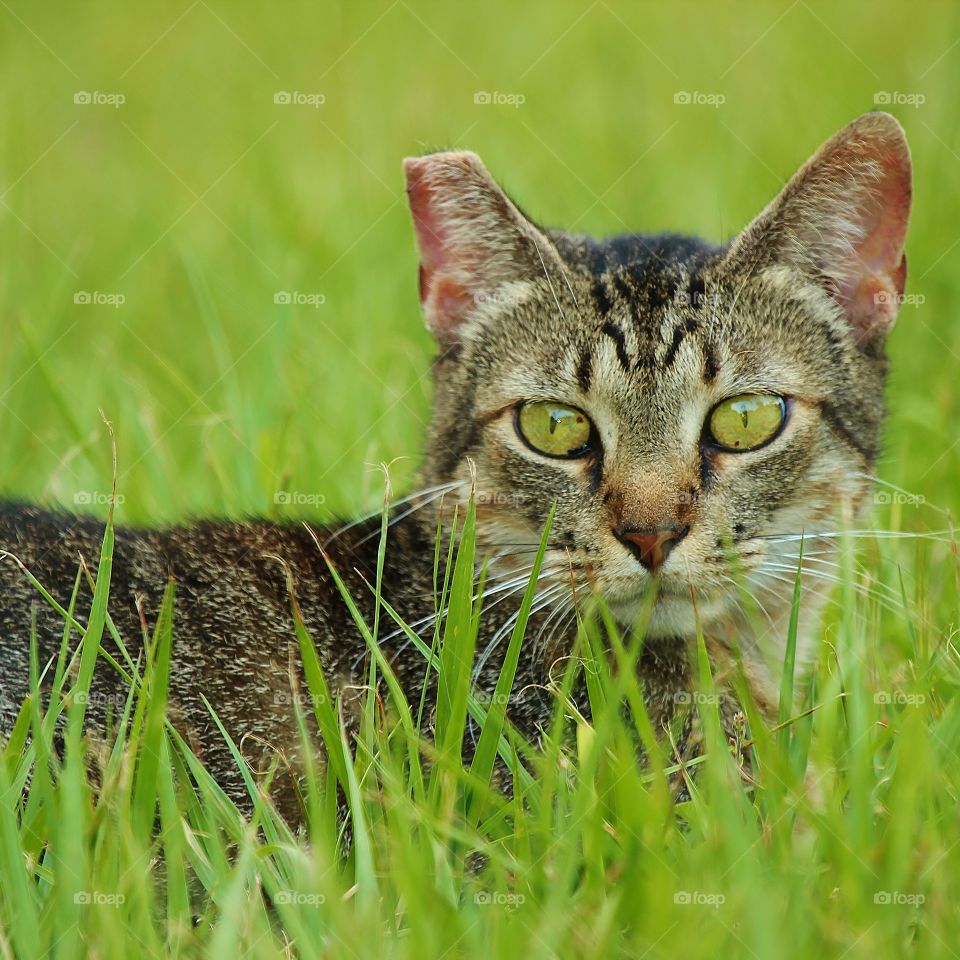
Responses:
[651,547]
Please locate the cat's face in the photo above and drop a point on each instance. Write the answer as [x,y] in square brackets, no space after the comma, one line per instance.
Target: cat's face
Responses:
[686,407]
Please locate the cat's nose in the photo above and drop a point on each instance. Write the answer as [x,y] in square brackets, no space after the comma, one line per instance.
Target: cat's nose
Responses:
[651,547]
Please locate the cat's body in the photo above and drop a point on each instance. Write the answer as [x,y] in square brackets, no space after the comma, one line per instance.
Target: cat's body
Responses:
[234,637]
[234,633]
[691,409]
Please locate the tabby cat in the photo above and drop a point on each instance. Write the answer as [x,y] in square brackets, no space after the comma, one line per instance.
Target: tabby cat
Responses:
[690,408]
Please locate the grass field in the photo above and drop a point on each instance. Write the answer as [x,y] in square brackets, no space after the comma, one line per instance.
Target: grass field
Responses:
[231,280]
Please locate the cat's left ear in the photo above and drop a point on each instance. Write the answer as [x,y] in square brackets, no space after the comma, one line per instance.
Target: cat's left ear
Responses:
[475,244]
[842,220]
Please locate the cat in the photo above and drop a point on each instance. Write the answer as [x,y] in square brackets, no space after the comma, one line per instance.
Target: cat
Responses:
[690,408]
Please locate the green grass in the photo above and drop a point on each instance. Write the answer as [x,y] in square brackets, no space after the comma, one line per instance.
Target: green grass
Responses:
[197,201]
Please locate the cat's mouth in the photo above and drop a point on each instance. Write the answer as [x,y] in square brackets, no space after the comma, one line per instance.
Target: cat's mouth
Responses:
[669,608]
[671,603]
[667,605]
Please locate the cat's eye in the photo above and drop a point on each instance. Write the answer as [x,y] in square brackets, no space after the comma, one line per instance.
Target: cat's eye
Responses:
[747,421]
[554,429]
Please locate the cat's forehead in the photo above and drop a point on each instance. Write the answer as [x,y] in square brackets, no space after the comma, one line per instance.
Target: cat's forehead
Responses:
[659,321]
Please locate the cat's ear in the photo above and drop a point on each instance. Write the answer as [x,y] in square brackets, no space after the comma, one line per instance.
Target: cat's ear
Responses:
[842,220]
[473,240]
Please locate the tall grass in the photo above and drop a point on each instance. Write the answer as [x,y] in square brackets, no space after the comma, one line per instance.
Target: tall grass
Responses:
[189,210]
[842,837]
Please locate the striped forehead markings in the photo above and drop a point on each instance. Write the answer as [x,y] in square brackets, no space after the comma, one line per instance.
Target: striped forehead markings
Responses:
[611,330]
[679,332]
[711,363]
[585,369]
[627,289]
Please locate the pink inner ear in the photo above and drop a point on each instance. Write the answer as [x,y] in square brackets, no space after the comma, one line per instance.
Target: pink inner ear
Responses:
[430,235]
[444,276]
[873,281]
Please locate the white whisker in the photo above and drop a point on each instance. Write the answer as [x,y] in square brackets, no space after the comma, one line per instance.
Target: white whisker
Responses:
[539,603]
[432,492]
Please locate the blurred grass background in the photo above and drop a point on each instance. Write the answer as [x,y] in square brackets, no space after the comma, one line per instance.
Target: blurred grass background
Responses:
[199,198]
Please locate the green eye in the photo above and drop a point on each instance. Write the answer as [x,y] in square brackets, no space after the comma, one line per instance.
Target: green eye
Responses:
[746,422]
[554,429]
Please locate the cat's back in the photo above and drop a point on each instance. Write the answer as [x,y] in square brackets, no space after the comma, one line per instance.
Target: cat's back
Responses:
[51,548]
[232,579]
[49,562]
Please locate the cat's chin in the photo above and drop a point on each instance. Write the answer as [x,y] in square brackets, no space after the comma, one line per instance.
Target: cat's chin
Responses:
[673,613]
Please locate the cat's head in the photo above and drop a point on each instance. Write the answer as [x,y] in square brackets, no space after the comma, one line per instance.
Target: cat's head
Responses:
[684,405]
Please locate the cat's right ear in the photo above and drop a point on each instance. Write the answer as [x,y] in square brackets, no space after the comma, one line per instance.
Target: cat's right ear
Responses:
[842,221]
[476,247]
